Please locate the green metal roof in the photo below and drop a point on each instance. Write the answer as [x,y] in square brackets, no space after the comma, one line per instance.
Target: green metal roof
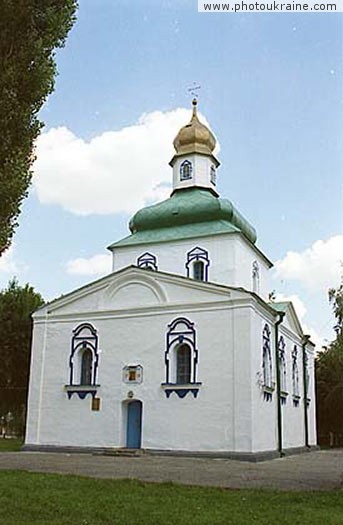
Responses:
[280,306]
[187,213]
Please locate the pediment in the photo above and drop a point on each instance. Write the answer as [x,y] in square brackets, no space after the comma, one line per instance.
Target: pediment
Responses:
[133,288]
[290,320]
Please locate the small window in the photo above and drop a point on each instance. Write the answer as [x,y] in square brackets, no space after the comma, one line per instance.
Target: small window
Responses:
[197,264]
[255,277]
[266,358]
[183,364]
[86,367]
[133,374]
[282,365]
[213,175]
[198,271]
[186,170]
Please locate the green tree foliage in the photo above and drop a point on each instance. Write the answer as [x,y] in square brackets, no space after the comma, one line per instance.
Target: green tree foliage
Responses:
[30,31]
[17,303]
[329,373]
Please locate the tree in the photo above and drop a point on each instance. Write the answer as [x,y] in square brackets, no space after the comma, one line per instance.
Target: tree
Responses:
[329,374]
[17,303]
[30,31]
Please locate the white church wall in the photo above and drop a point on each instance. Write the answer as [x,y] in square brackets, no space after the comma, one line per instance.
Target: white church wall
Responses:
[36,370]
[264,410]
[231,260]
[293,425]
[312,428]
[246,256]
[204,423]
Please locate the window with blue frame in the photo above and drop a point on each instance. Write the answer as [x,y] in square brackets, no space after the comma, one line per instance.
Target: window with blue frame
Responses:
[186,170]
[183,364]
[181,359]
[83,361]
[295,376]
[266,358]
[213,175]
[86,367]
[198,270]
[197,264]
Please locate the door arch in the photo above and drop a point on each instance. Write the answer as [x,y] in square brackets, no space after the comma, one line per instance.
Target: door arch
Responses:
[134,424]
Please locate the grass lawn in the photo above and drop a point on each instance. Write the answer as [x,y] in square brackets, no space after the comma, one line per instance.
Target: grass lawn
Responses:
[53,499]
[10,445]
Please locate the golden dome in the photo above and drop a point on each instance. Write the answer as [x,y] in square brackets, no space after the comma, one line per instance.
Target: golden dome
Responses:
[194,137]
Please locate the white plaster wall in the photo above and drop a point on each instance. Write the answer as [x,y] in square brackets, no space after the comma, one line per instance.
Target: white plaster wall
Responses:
[293,424]
[36,369]
[264,427]
[312,428]
[201,175]
[231,259]
[186,424]
[245,257]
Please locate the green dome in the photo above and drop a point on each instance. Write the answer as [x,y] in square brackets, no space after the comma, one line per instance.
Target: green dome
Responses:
[191,207]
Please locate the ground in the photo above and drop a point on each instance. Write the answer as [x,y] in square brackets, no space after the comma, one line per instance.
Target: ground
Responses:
[319,470]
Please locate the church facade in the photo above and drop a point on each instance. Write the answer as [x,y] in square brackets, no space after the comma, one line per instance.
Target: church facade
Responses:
[179,348]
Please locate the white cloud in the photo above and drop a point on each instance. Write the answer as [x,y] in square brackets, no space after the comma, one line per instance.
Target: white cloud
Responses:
[7,263]
[318,267]
[97,265]
[117,171]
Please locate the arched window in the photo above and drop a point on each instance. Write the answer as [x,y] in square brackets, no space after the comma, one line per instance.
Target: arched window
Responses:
[255,277]
[198,270]
[282,365]
[148,261]
[213,175]
[183,364]
[86,367]
[186,170]
[83,361]
[295,376]
[197,264]
[266,357]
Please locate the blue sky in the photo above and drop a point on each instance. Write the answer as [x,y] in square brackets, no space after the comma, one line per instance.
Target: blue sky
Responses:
[271,90]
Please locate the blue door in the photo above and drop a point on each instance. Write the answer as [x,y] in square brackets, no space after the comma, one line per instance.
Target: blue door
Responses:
[134,424]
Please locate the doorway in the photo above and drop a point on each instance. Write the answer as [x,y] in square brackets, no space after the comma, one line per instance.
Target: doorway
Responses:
[134,425]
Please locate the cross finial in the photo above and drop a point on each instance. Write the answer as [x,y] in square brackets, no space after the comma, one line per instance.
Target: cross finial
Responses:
[193,89]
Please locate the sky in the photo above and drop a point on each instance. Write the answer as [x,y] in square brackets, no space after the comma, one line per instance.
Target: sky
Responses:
[271,91]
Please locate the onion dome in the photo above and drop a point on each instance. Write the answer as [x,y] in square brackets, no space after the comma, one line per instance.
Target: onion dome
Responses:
[195,137]
[193,210]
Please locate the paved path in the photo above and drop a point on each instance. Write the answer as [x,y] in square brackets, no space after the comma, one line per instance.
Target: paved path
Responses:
[319,470]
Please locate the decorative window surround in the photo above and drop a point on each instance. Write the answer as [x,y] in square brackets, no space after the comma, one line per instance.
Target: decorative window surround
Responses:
[213,175]
[84,339]
[186,170]
[283,397]
[194,256]
[181,331]
[81,390]
[133,374]
[268,386]
[296,400]
[181,390]
[268,392]
[295,377]
[147,260]
[255,277]
[282,367]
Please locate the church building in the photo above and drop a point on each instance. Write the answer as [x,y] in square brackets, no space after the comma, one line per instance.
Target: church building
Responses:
[179,349]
